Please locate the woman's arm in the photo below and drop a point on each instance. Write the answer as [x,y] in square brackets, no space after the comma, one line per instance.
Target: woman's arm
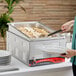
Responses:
[67,26]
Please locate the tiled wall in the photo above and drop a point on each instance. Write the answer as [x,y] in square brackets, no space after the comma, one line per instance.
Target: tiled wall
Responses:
[52,13]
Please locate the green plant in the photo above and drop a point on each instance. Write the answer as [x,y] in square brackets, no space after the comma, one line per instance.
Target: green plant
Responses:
[5,17]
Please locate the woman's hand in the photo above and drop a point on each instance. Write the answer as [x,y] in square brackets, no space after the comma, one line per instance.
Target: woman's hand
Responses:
[67,26]
[70,53]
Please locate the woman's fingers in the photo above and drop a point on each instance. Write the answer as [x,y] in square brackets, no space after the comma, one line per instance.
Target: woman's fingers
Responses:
[70,53]
[66,56]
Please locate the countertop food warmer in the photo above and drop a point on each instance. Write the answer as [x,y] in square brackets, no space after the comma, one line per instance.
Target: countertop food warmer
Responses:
[29,41]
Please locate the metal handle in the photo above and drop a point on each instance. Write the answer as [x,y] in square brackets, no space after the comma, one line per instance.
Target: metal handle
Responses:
[55,32]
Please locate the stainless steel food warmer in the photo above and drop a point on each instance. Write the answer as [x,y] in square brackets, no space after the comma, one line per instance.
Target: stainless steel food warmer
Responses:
[25,48]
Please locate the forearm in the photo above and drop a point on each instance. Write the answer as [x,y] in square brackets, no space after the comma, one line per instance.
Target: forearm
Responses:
[71,25]
[74,52]
[72,21]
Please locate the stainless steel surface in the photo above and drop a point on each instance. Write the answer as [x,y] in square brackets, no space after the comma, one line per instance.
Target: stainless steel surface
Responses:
[25,48]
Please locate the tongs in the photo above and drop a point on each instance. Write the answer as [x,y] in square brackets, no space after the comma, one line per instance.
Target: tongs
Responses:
[55,32]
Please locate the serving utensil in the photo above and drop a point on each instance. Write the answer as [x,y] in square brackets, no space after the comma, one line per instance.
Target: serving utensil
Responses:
[55,32]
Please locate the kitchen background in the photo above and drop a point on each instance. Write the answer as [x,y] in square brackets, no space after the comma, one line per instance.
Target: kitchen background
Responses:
[52,13]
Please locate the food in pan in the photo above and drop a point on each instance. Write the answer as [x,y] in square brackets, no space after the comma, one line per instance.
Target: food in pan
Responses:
[33,31]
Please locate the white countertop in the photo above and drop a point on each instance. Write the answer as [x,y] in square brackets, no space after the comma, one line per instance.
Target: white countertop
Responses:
[24,69]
